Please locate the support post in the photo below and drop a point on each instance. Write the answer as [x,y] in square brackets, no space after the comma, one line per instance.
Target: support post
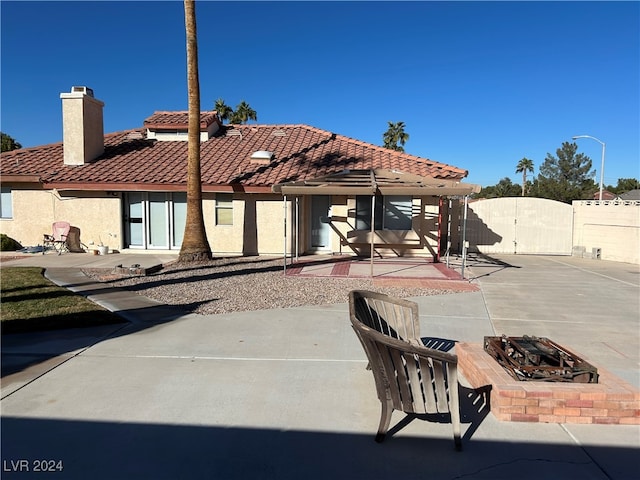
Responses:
[373,227]
[284,208]
[464,234]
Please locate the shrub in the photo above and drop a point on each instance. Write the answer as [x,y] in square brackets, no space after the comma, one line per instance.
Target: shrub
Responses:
[8,244]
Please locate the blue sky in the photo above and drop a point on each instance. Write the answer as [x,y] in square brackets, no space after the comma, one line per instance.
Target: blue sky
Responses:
[479,85]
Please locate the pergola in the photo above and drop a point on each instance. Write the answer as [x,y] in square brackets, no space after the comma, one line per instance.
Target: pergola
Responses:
[376,182]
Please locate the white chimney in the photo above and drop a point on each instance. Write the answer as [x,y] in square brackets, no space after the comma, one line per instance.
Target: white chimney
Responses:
[82,126]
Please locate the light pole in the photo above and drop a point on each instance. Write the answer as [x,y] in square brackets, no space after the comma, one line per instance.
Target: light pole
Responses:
[602,165]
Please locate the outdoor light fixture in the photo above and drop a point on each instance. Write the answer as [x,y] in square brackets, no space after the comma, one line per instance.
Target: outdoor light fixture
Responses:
[602,165]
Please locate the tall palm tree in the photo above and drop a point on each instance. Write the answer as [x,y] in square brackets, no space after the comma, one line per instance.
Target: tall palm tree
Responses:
[525,165]
[195,246]
[395,135]
[224,110]
[243,114]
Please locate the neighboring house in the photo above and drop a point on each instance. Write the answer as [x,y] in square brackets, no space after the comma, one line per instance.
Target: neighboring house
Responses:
[127,189]
[606,195]
[630,195]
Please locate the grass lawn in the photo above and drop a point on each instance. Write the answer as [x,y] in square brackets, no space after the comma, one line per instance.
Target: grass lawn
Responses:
[30,302]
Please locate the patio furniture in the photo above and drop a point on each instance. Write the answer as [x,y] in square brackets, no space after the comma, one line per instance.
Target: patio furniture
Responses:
[58,239]
[409,377]
[395,317]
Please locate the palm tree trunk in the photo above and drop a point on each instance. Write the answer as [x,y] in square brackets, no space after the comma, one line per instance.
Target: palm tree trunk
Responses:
[195,246]
[524,181]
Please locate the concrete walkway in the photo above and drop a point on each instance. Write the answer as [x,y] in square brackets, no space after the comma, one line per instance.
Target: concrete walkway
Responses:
[284,394]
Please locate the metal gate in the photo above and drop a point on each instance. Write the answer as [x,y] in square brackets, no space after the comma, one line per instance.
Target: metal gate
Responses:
[520,225]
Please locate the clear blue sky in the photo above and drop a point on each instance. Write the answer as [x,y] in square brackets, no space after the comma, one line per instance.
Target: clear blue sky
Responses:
[479,85]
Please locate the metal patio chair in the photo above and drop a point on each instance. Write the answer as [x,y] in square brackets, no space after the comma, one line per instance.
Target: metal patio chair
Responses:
[58,238]
[409,377]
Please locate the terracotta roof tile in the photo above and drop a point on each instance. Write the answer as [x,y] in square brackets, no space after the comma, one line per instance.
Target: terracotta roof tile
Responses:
[300,152]
[172,120]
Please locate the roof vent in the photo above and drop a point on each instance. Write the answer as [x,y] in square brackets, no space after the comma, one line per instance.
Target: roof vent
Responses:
[279,133]
[233,133]
[262,156]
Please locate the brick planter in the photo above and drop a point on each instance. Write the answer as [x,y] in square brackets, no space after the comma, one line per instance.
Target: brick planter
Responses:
[610,401]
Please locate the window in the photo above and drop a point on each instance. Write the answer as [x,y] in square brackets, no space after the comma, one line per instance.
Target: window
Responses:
[392,212]
[224,209]
[6,207]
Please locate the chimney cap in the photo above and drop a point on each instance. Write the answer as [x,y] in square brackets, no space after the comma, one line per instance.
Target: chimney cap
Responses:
[82,89]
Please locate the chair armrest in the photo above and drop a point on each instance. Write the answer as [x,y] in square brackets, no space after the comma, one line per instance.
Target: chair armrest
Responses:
[407,346]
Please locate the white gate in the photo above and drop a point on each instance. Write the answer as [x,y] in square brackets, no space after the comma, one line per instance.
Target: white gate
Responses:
[520,225]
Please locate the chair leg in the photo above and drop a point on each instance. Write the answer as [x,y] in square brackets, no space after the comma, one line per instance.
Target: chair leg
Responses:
[385,421]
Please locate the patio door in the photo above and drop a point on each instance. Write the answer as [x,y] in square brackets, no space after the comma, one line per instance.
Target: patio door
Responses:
[320,227]
[154,220]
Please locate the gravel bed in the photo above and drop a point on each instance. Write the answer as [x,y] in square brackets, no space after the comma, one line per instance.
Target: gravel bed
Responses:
[243,283]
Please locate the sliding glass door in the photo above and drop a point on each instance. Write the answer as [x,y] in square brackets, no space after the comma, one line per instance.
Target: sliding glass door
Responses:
[154,220]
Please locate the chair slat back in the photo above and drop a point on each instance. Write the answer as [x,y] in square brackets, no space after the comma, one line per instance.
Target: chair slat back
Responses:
[395,317]
[416,379]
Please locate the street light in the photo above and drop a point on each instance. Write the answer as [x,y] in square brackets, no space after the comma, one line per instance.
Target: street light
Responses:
[602,166]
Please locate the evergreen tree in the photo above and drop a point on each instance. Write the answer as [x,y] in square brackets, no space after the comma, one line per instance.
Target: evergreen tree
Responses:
[8,143]
[566,177]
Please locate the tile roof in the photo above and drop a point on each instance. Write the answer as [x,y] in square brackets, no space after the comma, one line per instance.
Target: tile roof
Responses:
[170,120]
[131,161]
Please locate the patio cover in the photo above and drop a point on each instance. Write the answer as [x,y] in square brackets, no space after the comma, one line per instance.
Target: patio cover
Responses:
[378,181]
[373,182]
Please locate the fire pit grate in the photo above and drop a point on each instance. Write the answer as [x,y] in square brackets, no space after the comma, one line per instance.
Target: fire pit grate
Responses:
[530,358]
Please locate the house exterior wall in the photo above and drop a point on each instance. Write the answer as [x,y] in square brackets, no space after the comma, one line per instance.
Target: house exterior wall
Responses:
[257,225]
[96,214]
[613,227]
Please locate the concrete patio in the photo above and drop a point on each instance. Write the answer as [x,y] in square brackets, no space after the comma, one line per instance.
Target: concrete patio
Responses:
[285,394]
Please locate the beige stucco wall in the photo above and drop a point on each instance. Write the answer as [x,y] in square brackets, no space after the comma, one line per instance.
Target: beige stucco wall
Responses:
[97,215]
[525,225]
[613,227]
[258,225]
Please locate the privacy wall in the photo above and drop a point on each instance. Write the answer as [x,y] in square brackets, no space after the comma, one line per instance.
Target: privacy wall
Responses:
[521,225]
[609,230]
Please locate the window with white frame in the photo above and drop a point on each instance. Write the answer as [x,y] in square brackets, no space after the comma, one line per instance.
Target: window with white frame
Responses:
[224,209]
[392,212]
[6,205]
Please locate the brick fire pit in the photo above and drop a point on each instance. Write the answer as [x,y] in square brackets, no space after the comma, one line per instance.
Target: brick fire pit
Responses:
[610,401]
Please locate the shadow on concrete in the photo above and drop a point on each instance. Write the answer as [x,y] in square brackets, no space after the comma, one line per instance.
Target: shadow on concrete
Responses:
[487,264]
[20,351]
[113,449]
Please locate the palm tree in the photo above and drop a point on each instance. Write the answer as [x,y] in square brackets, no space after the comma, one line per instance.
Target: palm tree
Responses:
[395,135]
[525,165]
[224,110]
[195,246]
[243,114]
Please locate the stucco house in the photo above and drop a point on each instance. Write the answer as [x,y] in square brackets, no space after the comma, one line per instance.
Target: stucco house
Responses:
[265,187]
